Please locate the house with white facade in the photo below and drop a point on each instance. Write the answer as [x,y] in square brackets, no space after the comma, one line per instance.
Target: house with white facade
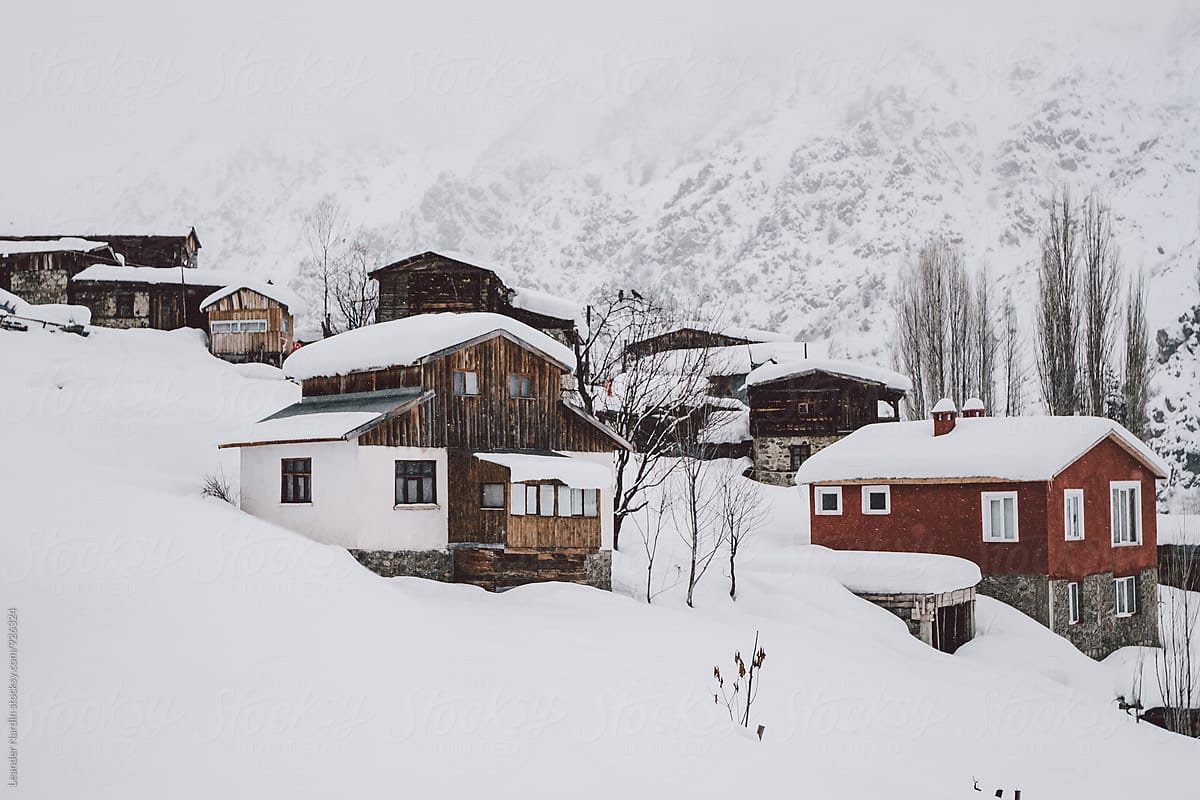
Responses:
[439,445]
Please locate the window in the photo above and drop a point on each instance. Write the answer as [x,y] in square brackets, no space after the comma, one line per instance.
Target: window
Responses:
[1073,514]
[252,326]
[1072,603]
[1126,513]
[466,383]
[531,498]
[877,500]
[799,453]
[284,325]
[1000,516]
[1126,596]
[564,501]
[124,304]
[492,496]
[520,386]
[415,484]
[296,484]
[222,327]
[546,500]
[517,504]
[829,500]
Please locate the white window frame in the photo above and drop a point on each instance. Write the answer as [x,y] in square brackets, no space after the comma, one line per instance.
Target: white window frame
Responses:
[1118,583]
[1073,603]
[516,504]
[1115,486]
[867,491]
[986,499]
[1068,496]
[821,491]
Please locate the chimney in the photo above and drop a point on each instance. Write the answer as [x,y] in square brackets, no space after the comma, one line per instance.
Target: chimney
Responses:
[944,416]
[973,408]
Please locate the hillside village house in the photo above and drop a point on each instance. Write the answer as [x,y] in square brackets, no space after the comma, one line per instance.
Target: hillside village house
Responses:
[439,445]
[163,298]
[39,269]
[799,407]
[431,283]
[1058,512]
[694,334]
[251,321]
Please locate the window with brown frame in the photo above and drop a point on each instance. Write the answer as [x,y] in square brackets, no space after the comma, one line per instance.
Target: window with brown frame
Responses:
[798,454]
[466,383]
[296,480]
[520,386]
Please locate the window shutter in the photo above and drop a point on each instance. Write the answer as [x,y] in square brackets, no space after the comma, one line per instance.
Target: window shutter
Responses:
[517,493]
[591,502]
[564,501]
[546,500]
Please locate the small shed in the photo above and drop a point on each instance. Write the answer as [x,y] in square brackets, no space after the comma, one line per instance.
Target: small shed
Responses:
[933,594]
[251,321]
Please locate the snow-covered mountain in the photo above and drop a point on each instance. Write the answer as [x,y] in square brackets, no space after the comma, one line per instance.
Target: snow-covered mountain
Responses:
[790,205]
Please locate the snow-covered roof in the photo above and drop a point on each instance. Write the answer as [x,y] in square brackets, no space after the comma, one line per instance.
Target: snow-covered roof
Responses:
[849,369]
[1179,529]
[572,471]
[277,292]
[735,359]
[159,275]
[734,331]
[973,404]
[503,273]
[543,303]
[727,427]
[869,572]
[408,341]
[980,448]
[60,245]
[328,417]
[330,426]
[944,406]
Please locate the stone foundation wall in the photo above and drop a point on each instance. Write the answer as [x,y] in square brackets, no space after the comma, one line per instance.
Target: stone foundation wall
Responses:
[598,567]
[1100,631]
[40,286]
[432,564]
[1029,594]
[773,458]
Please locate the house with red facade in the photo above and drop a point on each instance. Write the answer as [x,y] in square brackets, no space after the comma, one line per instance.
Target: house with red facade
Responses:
[1058,512]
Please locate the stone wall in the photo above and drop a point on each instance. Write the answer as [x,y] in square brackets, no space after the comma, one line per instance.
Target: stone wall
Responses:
[432,564]
[40,286]
[773,457]
[1100,631]
[1029,594]
[598,567]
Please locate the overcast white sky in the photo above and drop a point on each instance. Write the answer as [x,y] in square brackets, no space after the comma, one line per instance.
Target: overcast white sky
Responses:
[82,80]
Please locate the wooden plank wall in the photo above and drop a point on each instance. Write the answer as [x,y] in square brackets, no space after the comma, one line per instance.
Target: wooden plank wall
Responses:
[436,286]
[686,339]
[489,421]
[849,406]
[273,344]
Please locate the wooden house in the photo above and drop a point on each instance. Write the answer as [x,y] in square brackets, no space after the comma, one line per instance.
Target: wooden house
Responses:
[695,335]
[39,270]
[251,321]
[438,445]
[433,283]
[801,406]
[1058,512]
[163,298]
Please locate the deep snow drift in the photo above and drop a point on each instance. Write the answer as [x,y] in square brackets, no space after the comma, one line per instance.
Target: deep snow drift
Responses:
[171,646]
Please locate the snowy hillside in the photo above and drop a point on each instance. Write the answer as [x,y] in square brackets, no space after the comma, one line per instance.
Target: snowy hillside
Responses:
[172,646]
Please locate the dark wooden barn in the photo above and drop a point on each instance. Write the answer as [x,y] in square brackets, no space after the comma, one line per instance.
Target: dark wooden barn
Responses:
[431,283]
[798,408]
[691,336]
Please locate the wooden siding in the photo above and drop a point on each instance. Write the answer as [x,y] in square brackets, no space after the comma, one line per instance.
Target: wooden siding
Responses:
[815,404]
[468,523]
[436,285]
[272,345]
[490,420]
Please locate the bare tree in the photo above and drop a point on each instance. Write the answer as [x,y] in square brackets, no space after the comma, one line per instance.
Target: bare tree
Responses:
[323,227]
[1013,355]
[1179,612]
[354,291]
[1101,268]
[1135,382]
[733,698]
[655,400]
[697,509]
[908,354]
[743,511]
[960,318]
[986,342]
[650,525]
[1058,328]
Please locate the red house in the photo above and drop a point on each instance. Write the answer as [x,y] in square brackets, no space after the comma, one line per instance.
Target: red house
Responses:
[1058,512]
